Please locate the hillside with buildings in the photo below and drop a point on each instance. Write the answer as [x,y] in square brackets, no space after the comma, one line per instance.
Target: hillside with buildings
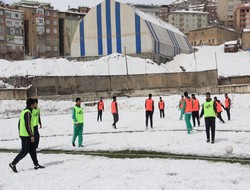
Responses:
[34,29]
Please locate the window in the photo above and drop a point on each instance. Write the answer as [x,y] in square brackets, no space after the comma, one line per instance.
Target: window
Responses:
[55,48]
[40,30]
[8,22]
[54,14]
[1,12]
[47,13]
[54,22]
[47,21]
[8,14]
[7,31]
[17,31]
[40,11]
[47,30]
[40,21]
[16,15]
[1,21]
[55,31]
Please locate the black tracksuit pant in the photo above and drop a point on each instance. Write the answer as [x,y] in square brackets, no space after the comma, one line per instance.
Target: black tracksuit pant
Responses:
[162,114]
[116,119]
[99,115]
[37,136]
[219,117]
[210,123]
[149,114]
[228,113]
[195,115]
[27,147]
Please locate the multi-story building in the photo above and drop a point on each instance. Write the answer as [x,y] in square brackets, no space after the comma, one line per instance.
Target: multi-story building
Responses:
[242,17]
[11,33]
[208,6]
[41,24]
[188,20]
[225,11]
[68,22]
[157,11]
[212,35]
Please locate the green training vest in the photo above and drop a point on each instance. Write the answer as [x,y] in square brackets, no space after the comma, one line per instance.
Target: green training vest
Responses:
[35,117]
[22,131]
[209,109]
[79,114]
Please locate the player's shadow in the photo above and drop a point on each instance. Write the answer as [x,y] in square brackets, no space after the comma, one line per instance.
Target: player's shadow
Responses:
[220,139]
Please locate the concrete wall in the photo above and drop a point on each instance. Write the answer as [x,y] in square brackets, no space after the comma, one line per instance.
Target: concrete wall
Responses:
[13,94]
[234,80]
[245,41]
[50,86]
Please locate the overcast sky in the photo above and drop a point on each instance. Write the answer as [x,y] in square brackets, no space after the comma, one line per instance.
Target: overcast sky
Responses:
[63,4]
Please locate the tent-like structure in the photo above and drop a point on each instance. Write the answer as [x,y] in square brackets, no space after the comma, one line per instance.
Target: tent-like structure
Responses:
[111,26]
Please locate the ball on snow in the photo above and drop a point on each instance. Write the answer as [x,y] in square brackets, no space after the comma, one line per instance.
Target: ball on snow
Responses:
[229,149]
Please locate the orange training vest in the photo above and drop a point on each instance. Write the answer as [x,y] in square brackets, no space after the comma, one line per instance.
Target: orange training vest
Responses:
[227,103]
[196,105]
[218,107]
[100,105]
[161,105]
[113,107]
[149,104]
[189,105]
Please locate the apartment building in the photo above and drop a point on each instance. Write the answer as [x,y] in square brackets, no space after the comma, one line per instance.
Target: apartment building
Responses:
[68,22]
[155,10]
[11,33]
[186,21]
[212,35]
[242,17]
[225,11]
[41,23]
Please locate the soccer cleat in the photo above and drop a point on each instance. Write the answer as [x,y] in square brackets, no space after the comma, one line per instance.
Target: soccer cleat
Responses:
[13,167]
[81,146]
[39,167]
[73,144]
[208,140]
[212,142]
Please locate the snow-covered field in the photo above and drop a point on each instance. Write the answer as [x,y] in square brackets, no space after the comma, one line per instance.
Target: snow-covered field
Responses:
[169,136]
[228,64]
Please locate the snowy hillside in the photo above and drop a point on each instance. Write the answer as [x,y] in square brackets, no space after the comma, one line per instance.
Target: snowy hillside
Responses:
[228,64]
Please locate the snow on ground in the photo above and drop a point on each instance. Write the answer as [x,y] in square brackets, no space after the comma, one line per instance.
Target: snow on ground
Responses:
[4,85]
[57,128]
[84,172]
[169,135]
[228,64]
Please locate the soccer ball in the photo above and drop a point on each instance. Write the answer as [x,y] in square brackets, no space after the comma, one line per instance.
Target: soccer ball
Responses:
[229,149]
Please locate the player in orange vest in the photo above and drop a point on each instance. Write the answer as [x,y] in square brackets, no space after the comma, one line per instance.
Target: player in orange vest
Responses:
[227,106]
[100,109]
[219,107]
[196,109]
[180,106]
[161,106]
[149,106]
[187,109]
[114,111]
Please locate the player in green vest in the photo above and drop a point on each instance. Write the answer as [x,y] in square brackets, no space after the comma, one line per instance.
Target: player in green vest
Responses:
[78,120]
[209,111]
[26,134]
[35,121]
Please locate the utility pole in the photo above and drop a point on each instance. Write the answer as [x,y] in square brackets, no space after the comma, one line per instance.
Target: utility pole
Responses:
[126,61]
